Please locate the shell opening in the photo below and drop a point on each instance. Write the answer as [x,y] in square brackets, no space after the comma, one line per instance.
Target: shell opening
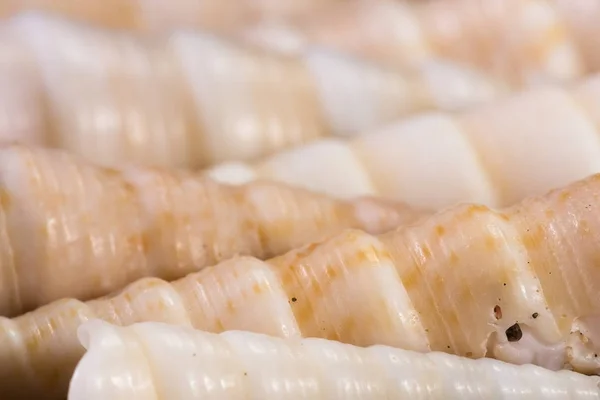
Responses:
[520,345]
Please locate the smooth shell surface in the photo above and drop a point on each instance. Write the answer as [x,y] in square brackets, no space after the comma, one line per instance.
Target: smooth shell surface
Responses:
[494,154]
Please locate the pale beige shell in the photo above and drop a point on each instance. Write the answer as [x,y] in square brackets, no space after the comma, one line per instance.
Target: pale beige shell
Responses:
[69,229]
[464,281]
[158,15]
[495,154]
[525,41]
[191,99]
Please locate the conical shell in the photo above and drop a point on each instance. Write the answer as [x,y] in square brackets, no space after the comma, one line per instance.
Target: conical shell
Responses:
[494,154]
[236,365]
[524,41]
[191,98]
[70,229]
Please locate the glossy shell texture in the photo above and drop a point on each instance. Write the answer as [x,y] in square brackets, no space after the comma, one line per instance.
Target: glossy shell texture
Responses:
[494,154]
[136,363]
[71,229]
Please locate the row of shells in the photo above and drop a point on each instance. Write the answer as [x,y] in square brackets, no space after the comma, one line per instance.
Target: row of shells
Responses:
[298,172]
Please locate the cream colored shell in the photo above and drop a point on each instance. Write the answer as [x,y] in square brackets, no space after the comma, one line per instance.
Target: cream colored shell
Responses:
[70,229]
[524,41]
[494,154]
[192,99]
[156,15]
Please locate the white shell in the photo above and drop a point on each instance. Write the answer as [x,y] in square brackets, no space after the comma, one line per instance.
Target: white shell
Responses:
[494,154]
[189,98]
[152,361]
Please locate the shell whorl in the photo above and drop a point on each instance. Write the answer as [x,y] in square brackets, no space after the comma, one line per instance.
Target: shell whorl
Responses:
[71,229]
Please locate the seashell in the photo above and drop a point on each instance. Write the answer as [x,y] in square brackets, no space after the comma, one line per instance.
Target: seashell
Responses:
[452,86]
[137,362]
[519,285]
[155,15]
[70,229]
[494,154]
[192,99]
[524,41]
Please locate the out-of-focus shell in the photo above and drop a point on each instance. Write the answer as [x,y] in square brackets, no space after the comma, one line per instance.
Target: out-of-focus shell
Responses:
[192,98]
[494,154]
[156,15]
[524,41]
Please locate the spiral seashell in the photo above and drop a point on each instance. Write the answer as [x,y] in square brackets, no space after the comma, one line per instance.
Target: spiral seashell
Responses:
[494,154]
[524,41]
[192,99]
[156,15]
[70,229]
[136,363]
